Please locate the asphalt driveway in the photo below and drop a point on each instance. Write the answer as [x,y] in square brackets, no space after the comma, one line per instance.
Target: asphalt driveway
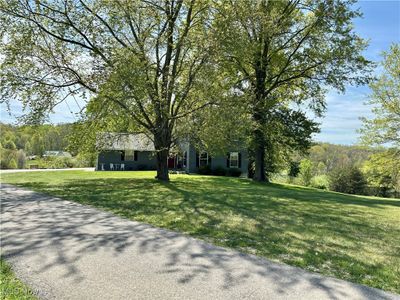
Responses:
[65,250]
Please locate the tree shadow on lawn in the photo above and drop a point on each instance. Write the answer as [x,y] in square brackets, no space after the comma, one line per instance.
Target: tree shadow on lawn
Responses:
[309,229]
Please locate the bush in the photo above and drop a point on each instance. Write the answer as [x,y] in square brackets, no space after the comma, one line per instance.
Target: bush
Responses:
[305,173]
[60,163]
[382,173]
[348,180]
[294,169]
[320,182]
[9,145]
[40,163]
[12,164]
[141,167]
[21,159]
[83,160]
[205,170]
[6,158]
[219,171]
[234,172]
[279,178]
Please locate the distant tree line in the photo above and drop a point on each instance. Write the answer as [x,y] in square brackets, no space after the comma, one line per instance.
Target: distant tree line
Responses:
[362,169]
[21,144]
[34,140]
[347,169]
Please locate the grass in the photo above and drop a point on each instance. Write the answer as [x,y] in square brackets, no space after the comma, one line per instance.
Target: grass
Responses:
[10,287]
[355,238]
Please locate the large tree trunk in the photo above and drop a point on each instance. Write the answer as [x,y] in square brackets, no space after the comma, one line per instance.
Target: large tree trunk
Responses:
[259,133]
[259,156]
[162,144]
[162,164]
[259,121]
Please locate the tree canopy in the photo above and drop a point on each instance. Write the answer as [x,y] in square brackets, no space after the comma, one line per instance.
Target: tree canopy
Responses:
[383,171]
[143,58]
[385,98]
[283,56]
[152,66]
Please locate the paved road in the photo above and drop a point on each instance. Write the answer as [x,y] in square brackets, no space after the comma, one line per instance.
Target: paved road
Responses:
[64,250]
[43,170]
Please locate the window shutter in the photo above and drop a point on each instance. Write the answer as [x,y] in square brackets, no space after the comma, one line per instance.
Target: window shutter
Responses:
[135,155]
[228,156]
[122,155]
[197,159]
[240,160]
[209,160]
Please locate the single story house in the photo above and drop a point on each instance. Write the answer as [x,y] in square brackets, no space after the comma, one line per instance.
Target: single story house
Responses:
[128,152]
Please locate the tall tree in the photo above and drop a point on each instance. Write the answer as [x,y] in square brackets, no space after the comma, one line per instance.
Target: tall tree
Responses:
[287,53]
[382,171]
[385,98]
[143,58]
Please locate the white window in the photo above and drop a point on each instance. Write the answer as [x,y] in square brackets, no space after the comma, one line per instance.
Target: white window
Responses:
[234,160]
[129,155]
[203,159]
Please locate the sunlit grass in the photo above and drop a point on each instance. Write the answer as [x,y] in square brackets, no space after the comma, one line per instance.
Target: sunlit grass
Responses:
[350,237]
[10,287]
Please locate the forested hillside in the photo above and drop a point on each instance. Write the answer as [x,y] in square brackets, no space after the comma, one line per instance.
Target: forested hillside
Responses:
[326,157]
[23,146]
[34,140]
[344,168]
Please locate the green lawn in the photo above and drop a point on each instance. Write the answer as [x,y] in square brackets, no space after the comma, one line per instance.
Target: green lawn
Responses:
[10,287]
[350,237]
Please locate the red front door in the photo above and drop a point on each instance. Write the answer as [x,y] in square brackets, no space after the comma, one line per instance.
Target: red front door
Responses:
[171,162]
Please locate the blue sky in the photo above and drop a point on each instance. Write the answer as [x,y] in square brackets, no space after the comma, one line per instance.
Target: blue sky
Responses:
[380,24]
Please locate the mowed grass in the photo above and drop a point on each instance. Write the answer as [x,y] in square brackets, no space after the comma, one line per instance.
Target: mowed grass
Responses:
[350,237]
[10,287]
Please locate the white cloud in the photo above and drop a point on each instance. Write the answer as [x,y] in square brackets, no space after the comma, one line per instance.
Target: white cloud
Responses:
[342,118]
[65,112]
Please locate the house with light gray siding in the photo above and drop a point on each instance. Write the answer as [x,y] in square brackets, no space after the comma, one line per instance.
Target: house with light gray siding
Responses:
[130,152]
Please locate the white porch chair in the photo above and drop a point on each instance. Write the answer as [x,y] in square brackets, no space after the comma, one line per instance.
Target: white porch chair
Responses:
[112,167]
[122,167]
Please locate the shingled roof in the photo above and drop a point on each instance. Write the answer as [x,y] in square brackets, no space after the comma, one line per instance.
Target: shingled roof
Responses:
[124,141]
